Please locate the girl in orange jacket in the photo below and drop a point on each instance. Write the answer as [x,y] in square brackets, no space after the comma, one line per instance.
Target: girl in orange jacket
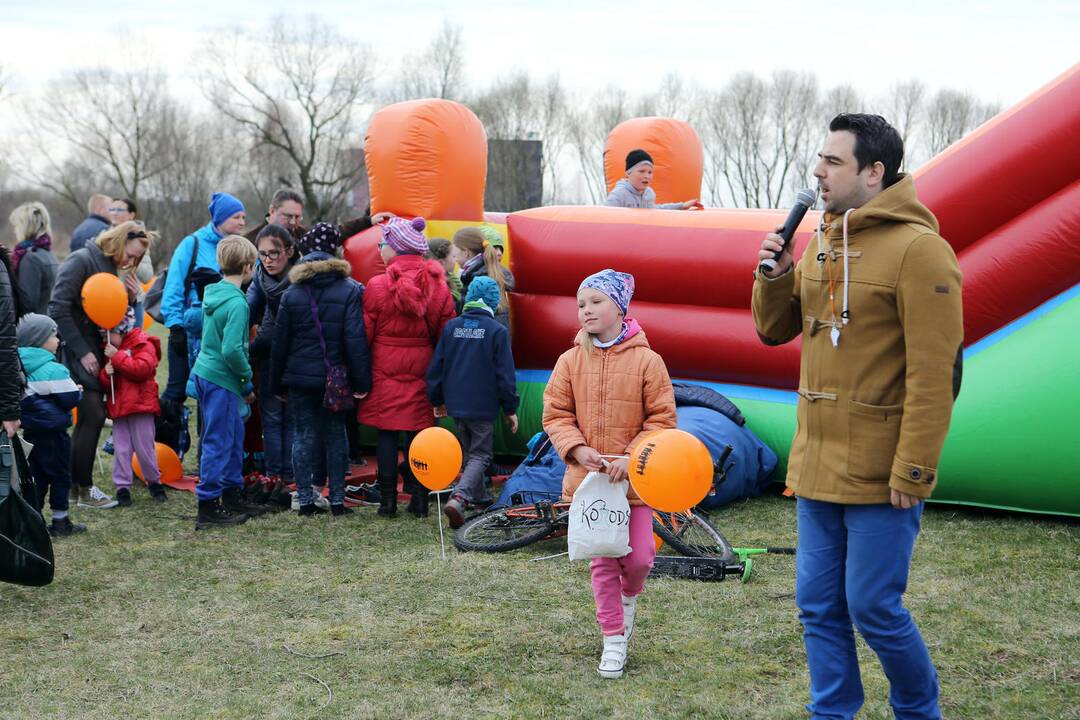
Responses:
[604,394]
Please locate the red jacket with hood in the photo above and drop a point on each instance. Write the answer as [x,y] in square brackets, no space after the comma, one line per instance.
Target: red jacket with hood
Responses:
[134,371]
[404,312]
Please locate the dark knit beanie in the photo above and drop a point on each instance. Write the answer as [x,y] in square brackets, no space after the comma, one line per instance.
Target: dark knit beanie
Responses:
[636,157]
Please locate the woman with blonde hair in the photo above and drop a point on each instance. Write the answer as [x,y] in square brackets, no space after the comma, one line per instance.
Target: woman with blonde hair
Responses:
[118,251]
[474,250]
[32,259]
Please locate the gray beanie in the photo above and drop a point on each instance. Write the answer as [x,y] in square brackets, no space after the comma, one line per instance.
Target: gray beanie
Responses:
[34,330]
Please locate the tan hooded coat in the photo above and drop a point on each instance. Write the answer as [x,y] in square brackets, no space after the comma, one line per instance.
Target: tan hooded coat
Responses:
[874,410]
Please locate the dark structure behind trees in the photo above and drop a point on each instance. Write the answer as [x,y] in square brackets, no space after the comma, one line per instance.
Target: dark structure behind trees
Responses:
[515,176]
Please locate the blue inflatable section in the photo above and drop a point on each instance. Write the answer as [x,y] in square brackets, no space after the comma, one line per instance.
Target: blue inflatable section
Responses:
[749,465]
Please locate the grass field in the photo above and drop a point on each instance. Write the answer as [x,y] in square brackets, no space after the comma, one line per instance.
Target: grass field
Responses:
[149,619]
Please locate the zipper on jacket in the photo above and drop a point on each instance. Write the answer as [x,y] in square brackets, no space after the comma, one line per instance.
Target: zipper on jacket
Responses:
[603,380]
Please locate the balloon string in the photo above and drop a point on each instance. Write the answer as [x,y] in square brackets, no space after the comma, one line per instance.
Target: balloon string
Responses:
[442,541]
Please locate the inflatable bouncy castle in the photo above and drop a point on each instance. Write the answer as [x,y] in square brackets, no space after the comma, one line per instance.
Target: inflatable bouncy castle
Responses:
[1007,198]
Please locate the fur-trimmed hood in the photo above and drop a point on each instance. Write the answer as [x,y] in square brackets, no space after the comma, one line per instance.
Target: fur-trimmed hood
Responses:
[316,264]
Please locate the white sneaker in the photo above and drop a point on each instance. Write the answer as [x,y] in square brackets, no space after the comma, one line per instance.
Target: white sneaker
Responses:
[320,501]
[613,658]
[629,607]
[95,498]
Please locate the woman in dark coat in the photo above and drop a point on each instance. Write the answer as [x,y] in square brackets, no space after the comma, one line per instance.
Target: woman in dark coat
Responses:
[32,260]
[405,310]
[11,375]
[116,251]
[277,255]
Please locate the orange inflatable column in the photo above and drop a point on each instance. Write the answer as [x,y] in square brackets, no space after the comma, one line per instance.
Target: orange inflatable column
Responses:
[676,150]
[427,158]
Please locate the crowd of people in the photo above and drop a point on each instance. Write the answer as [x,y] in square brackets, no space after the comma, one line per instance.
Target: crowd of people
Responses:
[275,320]
[270,321]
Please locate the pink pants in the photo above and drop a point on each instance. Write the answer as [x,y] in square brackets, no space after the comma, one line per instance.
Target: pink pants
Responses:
[134,434]
[614,577]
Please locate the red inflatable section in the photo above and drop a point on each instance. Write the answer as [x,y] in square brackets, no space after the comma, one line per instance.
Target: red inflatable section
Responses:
[1012,162]
[1007,198]
[362,252]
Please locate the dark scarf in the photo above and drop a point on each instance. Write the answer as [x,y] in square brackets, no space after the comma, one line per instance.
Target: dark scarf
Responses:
[41,241]
[273,287]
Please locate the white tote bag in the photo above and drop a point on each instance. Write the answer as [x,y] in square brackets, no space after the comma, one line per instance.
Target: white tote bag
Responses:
[599,519]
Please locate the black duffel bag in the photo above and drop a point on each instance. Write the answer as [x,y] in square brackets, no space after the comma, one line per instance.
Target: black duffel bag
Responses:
[26,552]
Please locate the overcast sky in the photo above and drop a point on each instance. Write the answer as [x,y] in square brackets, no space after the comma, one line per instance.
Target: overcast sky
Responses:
[1001,51]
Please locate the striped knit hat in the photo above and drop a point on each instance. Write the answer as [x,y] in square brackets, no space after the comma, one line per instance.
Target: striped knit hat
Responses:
[405,237]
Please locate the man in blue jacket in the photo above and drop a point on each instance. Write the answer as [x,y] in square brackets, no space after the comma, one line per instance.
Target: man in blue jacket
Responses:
[472,375]
[197,250]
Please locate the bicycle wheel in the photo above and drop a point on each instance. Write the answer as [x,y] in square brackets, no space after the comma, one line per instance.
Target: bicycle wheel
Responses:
[503,530]
[690,533]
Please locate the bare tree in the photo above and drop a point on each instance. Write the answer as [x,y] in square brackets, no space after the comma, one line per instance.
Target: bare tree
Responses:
[437,72]
[517,108]
[112,127]
[587,131]
[904,107]
[951,114]
[760,136]
[297,91]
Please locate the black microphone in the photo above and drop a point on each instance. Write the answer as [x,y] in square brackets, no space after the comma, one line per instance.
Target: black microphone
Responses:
[803,202]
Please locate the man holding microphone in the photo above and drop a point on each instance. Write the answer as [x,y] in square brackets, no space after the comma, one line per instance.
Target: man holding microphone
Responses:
[876,297]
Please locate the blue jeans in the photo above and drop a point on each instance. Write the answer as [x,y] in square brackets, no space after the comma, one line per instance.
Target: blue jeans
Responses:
[277,428]
[221,442]
[319,436]
[852,567]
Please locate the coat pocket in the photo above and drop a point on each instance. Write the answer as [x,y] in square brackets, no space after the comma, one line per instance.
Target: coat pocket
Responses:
[873,432]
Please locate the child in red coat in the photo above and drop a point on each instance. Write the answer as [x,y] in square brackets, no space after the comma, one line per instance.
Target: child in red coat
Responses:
[131,394]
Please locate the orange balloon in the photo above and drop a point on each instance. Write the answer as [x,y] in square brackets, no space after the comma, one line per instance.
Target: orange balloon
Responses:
[658,541]
[435,457]
[168,464]
[74,416]
[147,321]
[671,470]
[104,299]
[148,284]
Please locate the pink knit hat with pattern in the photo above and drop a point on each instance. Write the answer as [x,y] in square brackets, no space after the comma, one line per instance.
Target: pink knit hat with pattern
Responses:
[405,237]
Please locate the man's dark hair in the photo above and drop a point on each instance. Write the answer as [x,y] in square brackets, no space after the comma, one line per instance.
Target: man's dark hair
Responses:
[875,141]
[129,205]
[285,195]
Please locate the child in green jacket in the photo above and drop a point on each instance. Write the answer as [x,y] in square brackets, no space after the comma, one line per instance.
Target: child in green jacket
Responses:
[222,378]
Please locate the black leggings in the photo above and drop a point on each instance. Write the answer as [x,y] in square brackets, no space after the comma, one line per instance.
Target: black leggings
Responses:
[386,454]
[176,387]
[84,439]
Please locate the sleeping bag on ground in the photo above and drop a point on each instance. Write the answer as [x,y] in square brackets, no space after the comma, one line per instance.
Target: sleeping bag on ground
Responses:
[749,467]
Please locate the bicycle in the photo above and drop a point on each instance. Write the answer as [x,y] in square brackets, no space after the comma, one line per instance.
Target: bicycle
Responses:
[705,554]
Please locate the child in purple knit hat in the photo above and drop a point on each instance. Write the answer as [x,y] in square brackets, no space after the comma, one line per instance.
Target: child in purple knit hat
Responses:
[405,237]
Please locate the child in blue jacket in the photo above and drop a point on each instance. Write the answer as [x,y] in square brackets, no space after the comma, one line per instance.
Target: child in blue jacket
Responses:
[472,375]
[46,417]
